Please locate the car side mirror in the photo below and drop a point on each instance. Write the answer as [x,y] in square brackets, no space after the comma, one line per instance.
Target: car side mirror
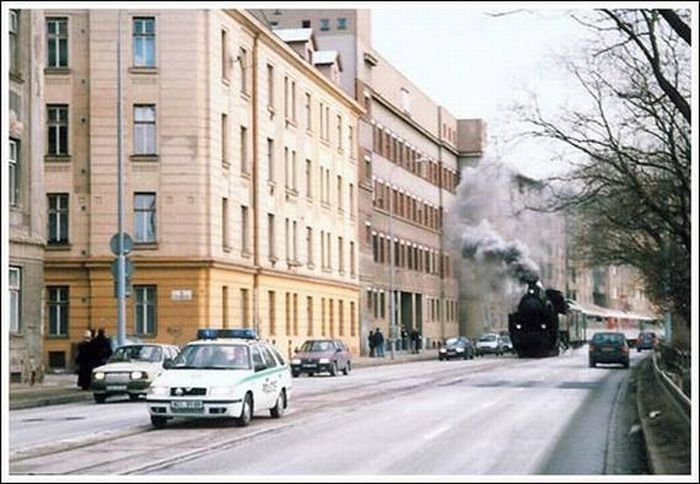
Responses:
[167,363]
[260,366]
[339,350]
[296,350]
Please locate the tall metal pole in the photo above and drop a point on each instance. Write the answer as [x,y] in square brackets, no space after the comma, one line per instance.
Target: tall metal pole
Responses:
[121,262]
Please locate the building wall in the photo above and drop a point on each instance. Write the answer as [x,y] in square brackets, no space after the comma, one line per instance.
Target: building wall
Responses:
[27,219]
[199,263]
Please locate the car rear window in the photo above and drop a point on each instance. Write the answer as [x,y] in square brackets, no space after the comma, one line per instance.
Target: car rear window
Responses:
[604,338]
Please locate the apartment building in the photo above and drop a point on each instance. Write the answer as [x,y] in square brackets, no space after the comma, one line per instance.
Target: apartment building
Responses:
[240,180]
[410,154]
[25,195]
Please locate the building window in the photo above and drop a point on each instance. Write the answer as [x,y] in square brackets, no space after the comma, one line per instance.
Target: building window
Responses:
[340,132]
[224,306]
[145,307]
[14,173]
[342,23]
[271,312]
[58,218]
[57,123]
[224,139]
[309,192]
[243,61]
[145,217]
[309,246]
[144,42]
[295,253]
[306,24]
[405,100]
[271,236]
[352,259]
[244,229]
[224,224]
[225,63]
[339,192]
[57,42]
[307,109]
[270,159]
[309,315]
[270,86]
[15,286]
[325,24]
[14,46]
[58,310]
[341,259]
[245,309]
[144,129]
[244,150]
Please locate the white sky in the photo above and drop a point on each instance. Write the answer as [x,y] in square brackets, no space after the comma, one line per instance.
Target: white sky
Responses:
[476,65]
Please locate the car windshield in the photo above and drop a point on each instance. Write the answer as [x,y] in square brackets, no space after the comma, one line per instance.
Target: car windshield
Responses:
[211,356]
[506,339]
[452,341]
[487,337]
[316,346]
[137,353]
[608,338]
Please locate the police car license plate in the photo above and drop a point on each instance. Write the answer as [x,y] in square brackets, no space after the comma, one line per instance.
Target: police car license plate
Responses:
[187,406]
[116,387]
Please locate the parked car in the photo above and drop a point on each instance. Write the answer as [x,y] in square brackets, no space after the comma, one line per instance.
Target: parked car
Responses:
[226,373]
[489,343]
[320,356]
[457,347]
[608,347]
[646,340]
[507,343]
[130,370]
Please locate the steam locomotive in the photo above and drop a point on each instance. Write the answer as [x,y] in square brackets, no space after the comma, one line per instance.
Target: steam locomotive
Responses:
[534,327]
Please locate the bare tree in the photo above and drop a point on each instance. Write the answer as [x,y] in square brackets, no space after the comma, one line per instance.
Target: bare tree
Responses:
[632,189]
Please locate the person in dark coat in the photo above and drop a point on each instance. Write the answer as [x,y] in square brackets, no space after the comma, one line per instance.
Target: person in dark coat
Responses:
[379,342]
[85,359]
[103,347]
[370,338]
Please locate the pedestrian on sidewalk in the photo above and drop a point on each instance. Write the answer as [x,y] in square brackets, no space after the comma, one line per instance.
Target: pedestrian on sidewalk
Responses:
[103,347]
[379,342]
[85,360]
[370,339]
[415,341]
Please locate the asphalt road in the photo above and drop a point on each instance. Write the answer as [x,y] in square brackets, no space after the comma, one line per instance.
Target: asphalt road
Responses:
[489,416]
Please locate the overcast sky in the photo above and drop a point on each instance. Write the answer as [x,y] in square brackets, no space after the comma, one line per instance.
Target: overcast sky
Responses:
[476,65]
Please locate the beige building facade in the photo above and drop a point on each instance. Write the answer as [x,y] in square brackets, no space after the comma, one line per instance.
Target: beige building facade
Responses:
[26,203]
[239,178]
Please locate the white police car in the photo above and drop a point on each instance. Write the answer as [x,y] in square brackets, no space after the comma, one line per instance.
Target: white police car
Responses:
[225,373]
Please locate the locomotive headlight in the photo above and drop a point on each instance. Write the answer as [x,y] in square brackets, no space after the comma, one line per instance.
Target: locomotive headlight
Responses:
[543,326]
[518,326]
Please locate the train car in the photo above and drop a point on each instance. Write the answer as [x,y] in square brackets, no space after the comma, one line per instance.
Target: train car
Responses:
[534,327]
[582,321]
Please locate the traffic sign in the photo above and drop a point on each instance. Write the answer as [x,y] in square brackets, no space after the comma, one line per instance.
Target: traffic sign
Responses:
[114,243]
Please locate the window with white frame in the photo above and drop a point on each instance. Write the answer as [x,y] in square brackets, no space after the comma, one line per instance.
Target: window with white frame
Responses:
[144,42]
[145,217]
[244,230]
[15,289]
[145,307]
[58,307]
[57,42]
[57,125]
[243,62]
[244,150]
[144,129]
[14,173]
[14,44]
[58,218]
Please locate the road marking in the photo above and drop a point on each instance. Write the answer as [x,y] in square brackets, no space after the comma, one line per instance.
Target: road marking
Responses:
[436,432]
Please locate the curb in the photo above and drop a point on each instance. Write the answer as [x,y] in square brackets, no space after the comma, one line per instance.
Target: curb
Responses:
[19,403]
[370,362]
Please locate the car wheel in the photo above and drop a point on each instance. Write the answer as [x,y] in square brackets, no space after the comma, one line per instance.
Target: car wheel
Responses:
[639,350]
[280,405]
[133,396]
[295,374]
[440,358]
[99,397]
[246,412]
[626,364]
[591,363]
[158,422]
[347,368]
[334,369]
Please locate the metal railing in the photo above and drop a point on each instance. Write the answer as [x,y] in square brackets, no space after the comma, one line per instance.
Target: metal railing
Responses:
[672,368]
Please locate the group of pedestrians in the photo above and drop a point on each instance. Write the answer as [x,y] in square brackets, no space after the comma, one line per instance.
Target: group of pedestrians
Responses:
[376,342]
[92,352]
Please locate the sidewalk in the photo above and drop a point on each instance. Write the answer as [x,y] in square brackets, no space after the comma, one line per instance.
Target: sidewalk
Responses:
[63,387]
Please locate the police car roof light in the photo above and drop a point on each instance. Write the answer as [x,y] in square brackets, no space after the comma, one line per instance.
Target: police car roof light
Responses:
[214,333]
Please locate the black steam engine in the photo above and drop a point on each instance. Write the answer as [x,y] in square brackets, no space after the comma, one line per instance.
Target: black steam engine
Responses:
[534,327]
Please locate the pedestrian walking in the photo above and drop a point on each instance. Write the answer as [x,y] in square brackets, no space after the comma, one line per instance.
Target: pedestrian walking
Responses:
[379,342]
[85,360]
[103,347]
[370,339]
[415,341]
